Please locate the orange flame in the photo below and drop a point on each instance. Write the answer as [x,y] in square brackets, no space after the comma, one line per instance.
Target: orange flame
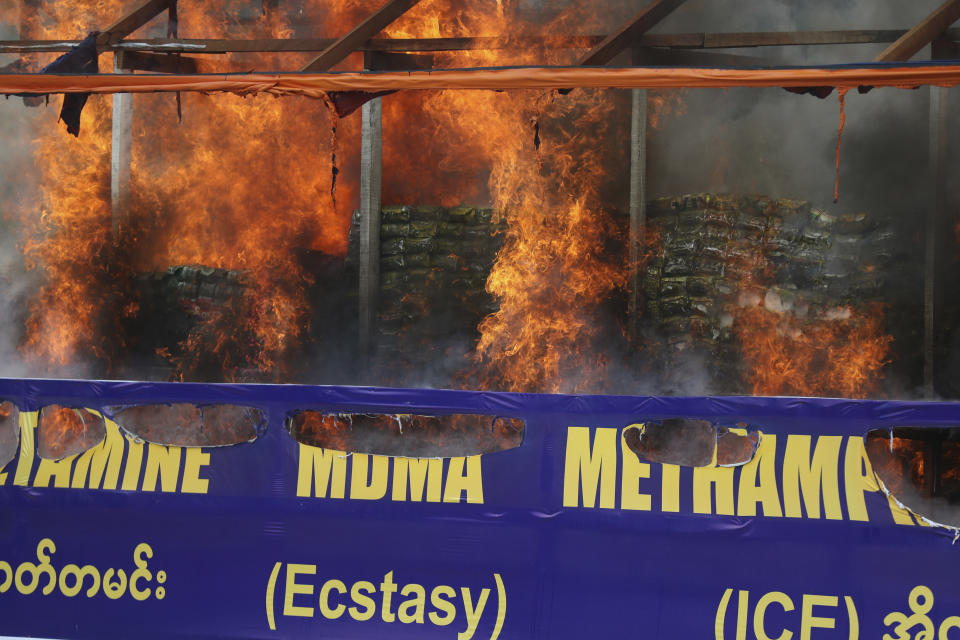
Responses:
[68,222]
[240,184]
[214,191]
[839,353]
[543,154]
[801,348]
[897,461]
[64,431]
[244,183]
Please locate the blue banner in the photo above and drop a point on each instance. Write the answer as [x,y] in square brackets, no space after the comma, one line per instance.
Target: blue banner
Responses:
[568,535]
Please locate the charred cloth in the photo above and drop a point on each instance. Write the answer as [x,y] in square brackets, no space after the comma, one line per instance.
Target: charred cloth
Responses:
[81,58]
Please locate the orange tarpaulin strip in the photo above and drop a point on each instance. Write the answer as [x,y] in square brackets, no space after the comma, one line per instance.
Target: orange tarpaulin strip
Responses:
[317,84]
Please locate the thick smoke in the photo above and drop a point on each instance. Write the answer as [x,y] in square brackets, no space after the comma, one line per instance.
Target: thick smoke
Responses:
[781,144]
[936,510]
[16,179]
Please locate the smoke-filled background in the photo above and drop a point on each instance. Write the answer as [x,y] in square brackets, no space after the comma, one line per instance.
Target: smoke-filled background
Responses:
[504,261]
[15,281]
[17,178]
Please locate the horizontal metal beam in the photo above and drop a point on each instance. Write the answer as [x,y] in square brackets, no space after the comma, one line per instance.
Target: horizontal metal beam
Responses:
[142,61]
[661,57]
[388,61]
[669,40]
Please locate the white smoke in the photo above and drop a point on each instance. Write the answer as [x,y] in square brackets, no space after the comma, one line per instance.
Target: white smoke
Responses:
[16,179]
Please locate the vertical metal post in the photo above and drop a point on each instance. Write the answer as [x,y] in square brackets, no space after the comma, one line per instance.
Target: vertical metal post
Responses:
[932,456]
[933,233]
[173,20]
[121,150]
[638,202]
[371,168]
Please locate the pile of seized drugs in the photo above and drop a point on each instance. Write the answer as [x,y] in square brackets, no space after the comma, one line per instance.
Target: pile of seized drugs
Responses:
[716,254]
[434,263]
[187,305]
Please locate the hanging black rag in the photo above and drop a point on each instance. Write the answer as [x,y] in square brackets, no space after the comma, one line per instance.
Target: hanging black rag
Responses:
[82,58]
[346,102]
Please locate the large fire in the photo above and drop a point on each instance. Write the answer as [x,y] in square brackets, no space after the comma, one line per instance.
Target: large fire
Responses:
[544,155]
[245,184]
[239,184]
